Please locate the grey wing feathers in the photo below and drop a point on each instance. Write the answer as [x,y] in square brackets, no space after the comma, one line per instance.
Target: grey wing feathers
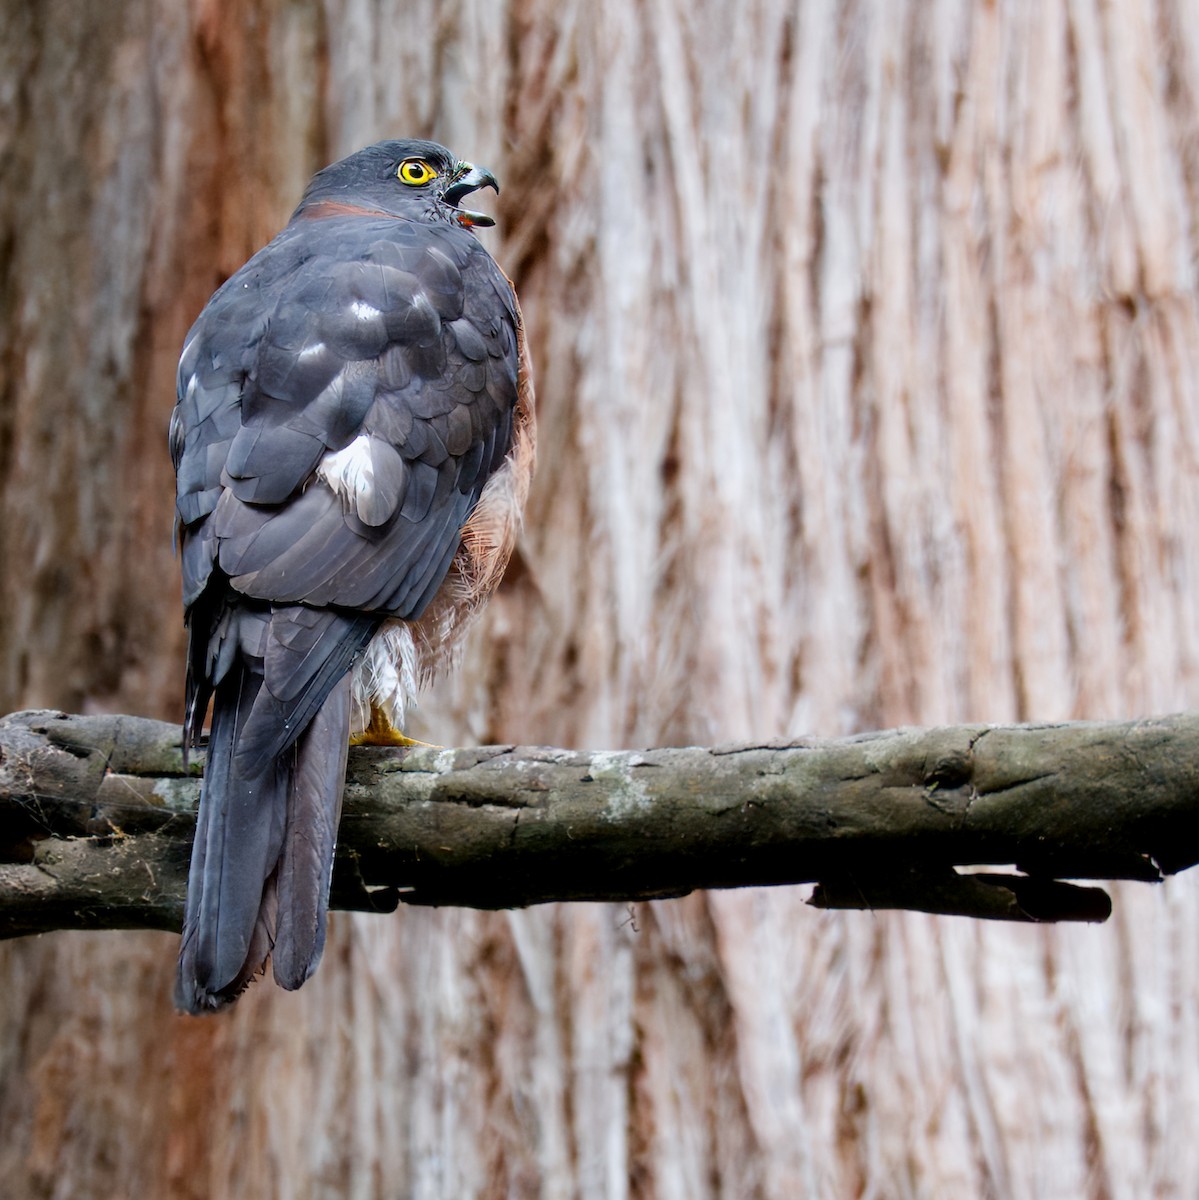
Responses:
[343,399]
[386,342]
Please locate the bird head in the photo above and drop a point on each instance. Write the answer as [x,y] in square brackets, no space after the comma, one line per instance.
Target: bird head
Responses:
[419,180]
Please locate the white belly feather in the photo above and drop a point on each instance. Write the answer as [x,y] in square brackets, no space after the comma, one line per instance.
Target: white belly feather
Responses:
[386,675]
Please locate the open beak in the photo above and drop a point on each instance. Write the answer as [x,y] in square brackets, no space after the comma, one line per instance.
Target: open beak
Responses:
[469,178]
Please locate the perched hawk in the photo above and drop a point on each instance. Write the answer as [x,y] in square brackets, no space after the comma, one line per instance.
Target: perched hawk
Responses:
[353,442]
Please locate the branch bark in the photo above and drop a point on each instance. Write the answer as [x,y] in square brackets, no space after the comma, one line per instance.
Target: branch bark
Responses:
[96,820]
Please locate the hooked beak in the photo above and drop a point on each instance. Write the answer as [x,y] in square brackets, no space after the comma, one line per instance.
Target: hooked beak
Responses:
[469,178]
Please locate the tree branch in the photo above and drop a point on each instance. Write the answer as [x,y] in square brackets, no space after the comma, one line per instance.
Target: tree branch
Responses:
[96,820]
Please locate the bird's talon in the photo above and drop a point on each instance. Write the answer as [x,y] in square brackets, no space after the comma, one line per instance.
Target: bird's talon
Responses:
[381,732]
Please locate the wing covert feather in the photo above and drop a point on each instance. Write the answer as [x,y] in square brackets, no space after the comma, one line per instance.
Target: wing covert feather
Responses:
[404,334]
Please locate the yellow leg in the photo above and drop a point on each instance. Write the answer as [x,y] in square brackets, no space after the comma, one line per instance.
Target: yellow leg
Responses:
[381,732]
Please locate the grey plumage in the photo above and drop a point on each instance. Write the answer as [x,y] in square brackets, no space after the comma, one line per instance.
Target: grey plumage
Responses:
[375,325]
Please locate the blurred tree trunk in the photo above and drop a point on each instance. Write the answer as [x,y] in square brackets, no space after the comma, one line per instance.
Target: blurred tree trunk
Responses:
[868,359]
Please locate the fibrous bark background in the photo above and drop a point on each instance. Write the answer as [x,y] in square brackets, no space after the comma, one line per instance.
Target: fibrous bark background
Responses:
[867,354]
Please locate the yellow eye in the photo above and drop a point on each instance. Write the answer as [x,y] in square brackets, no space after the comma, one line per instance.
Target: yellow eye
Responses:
[415,171]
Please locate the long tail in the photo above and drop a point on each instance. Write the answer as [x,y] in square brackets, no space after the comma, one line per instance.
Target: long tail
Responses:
[271,800]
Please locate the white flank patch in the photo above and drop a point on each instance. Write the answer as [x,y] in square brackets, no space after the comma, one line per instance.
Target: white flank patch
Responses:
[364,311]
[350,471]
[385,675]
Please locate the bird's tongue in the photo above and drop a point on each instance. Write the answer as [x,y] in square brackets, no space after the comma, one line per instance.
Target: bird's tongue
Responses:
[468,219]
[470,179]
